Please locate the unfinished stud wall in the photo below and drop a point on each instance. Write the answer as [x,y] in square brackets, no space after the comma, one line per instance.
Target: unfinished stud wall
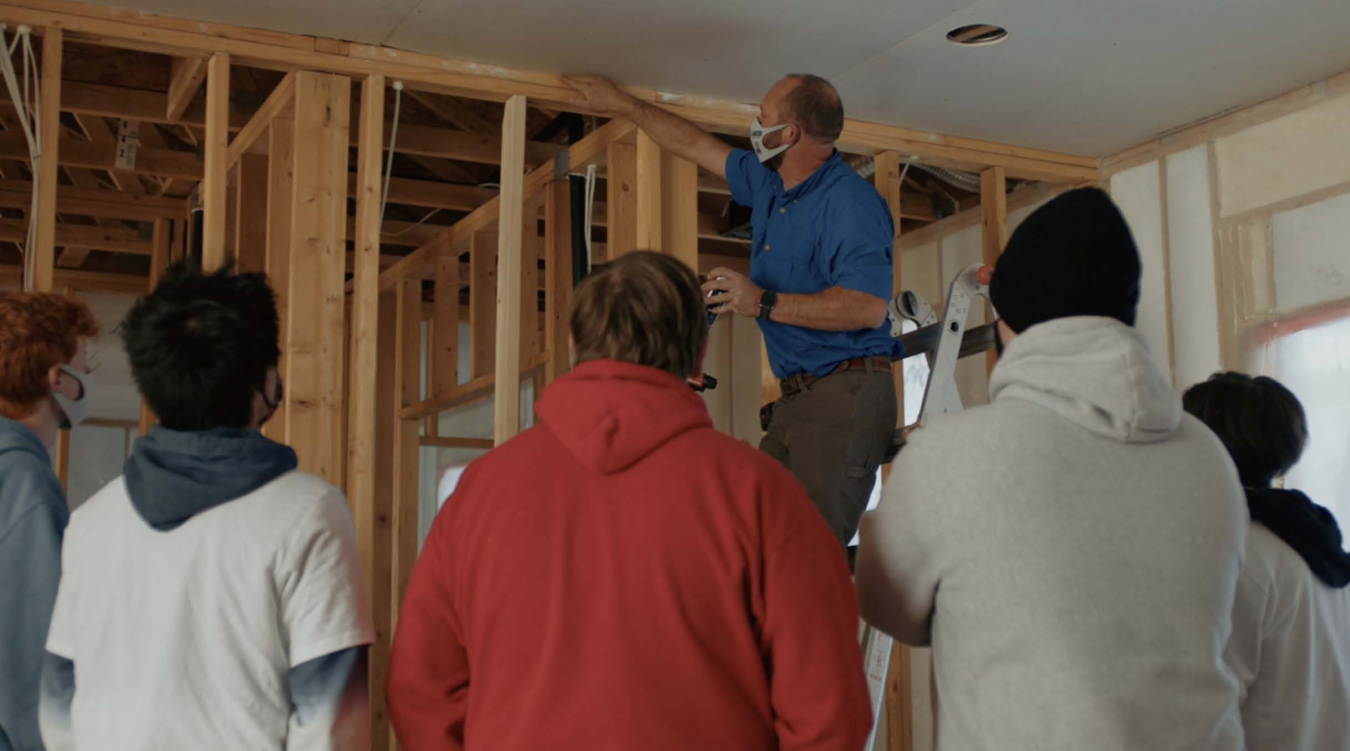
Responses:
[1252,211]
[1255,214]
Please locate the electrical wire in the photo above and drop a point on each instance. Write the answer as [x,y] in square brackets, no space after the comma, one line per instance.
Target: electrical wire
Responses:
[590,204]
[414,226]
[389,166]
[28,99]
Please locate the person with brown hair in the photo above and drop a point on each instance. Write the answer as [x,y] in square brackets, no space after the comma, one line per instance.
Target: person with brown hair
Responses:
[1290,646]
[820,278]
[624,576]
[45,387]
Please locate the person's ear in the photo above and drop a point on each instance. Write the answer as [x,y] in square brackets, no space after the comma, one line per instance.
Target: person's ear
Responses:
[54,376]
[571,352]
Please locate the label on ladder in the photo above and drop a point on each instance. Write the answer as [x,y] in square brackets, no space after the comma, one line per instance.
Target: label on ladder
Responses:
[128,140]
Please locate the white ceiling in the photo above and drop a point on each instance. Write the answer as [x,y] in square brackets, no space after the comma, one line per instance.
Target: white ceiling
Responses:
[1089,77]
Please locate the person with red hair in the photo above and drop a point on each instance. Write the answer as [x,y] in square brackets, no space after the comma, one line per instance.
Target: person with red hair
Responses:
[45,387]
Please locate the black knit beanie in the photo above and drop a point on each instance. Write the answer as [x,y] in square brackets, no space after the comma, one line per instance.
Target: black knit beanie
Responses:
[1074,256]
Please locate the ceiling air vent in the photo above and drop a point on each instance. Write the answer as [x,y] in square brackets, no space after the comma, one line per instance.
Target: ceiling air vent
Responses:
[977,35]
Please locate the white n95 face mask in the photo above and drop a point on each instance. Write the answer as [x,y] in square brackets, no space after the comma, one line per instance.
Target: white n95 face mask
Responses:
[757,133]
[77,411]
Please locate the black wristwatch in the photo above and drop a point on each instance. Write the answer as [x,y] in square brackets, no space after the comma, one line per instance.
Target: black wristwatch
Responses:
[767,302]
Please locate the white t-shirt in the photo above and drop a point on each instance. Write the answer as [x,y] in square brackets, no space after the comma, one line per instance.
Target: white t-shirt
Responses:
[184,639]
[1291,651]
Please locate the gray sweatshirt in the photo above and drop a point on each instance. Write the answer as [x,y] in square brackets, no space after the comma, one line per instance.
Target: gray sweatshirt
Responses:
[33,517]
[1071,553]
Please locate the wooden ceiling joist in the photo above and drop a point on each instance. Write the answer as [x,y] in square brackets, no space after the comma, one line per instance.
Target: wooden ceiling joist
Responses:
[103,156]
[143,106]
[17,194]
[85,281]
[276,51]
[186,79]
[111,239]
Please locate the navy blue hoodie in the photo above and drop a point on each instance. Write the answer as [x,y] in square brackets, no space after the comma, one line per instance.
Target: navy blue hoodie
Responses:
[33,517]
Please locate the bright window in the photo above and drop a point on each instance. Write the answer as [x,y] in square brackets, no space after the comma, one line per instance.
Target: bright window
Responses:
[1311,356]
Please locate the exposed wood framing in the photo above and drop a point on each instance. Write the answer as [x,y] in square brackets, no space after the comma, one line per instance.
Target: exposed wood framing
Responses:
[456,443]
[251,212]
[579,155]
[363,372]
[994,219]
[84,281]
[429,194]
[899,700]
[558,276]
[1020,198]
[482,304]
[159,263]
[506,399]
[103,156]
[262,49]
[97,238]
[17,194]
[315,297]
[445,325]
[376,541]
[679,208]
[647,181]
[621,199]
[49,127]
[280,193]
[407,366]
[186,77]
[468,393]
[214,176]
[278,104]
[529,287]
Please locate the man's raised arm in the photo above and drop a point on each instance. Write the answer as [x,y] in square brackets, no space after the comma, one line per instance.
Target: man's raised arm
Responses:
[671,132]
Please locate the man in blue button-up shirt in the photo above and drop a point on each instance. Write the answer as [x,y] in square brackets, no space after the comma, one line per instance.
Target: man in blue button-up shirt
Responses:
[820,277]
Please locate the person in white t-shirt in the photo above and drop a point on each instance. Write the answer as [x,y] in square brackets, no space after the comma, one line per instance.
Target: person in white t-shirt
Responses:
[211,597]
[1291,620]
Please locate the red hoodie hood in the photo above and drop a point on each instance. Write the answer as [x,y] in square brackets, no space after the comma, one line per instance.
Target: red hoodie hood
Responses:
[610,415]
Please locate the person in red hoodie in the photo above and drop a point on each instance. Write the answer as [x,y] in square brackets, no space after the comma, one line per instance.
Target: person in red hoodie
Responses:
[622,575]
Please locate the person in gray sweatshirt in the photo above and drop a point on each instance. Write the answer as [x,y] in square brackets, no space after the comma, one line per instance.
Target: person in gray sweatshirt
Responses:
[44,386]
[1071,550]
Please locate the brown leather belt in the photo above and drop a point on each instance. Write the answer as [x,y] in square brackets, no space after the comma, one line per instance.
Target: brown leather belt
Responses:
[802,381]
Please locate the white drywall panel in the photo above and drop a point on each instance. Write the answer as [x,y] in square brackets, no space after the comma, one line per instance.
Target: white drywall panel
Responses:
[1195,305]
[1287,157]
[1138,193]
[1312,254]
